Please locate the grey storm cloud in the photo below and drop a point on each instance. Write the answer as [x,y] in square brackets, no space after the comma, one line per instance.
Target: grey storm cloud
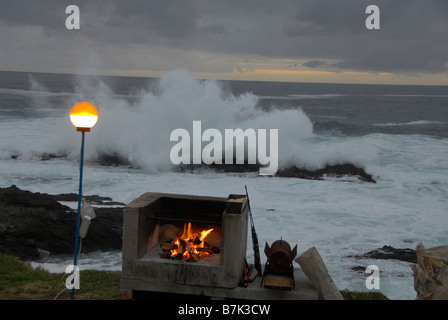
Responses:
[413,35]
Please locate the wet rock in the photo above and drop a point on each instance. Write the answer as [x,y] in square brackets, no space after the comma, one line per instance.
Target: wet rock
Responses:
[113,159]
[342,170]
[50,156]
[338,171]
[93,199]
[32,222]
[14,196]
[359,269]
[388,252]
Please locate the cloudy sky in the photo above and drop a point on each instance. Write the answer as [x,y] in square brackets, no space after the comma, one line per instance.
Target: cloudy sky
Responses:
[276,40]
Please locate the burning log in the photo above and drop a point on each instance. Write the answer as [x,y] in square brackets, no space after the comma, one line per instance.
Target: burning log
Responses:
[212,247]
[182,249]
[205,250]
[193,258]
[183,245]
[168,246]
[197,241]
[189,249]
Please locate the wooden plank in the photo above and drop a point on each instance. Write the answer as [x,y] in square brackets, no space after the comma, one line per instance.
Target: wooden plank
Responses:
[281,282]
[316,270]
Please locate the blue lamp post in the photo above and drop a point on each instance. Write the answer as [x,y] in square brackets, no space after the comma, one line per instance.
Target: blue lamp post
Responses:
[83,116]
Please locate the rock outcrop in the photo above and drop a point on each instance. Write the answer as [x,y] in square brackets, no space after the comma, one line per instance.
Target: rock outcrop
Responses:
[31,222]
[338,171]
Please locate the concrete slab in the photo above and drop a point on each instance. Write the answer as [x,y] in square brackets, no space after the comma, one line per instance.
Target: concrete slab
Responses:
[304,290]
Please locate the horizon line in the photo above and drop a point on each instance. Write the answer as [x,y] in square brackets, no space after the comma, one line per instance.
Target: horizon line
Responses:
[113,74]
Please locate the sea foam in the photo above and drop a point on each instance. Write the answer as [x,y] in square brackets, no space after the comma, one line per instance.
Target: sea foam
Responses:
[138,130]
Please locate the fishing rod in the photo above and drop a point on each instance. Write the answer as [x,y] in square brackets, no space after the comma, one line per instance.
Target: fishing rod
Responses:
[254,238]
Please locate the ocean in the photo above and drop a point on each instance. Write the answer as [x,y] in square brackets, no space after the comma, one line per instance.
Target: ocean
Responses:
[398,134]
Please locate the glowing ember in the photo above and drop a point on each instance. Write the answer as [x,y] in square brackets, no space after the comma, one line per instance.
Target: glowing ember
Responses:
[191,246]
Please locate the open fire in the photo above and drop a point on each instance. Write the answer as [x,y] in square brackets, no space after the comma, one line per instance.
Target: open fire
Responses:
[189,246]
[154,225]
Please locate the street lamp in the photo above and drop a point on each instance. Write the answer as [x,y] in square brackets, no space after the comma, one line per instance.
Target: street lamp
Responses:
[83,116]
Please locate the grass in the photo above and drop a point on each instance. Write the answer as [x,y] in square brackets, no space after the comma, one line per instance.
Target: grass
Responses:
[19,281]
[354,295]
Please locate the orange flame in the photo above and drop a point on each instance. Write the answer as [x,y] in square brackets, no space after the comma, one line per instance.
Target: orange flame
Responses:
[189,238]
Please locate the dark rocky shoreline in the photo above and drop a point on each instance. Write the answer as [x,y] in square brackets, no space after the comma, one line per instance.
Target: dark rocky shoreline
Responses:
[31,222]
[385,253]
[337,171]
[388,252]
[115,159]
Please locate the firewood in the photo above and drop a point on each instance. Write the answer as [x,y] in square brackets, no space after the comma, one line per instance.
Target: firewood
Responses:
[167,246]
[197,241]
[182,249]
[165,255]
[213,248]
[189,249]
[193,258]
[205,250]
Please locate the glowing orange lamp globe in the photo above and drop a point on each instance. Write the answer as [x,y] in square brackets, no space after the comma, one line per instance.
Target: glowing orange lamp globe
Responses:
[83,116]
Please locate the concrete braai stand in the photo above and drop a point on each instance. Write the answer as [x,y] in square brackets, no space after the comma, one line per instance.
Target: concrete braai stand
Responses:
[154,218]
